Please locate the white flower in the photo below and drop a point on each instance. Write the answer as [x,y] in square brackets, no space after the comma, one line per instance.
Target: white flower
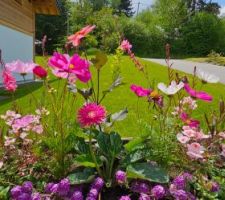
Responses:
[172,89]
[207,77]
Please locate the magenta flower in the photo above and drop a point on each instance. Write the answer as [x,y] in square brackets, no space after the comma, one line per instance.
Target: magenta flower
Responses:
[197,94]
[190,122]
[75,65]
[91,114]
[215,187]
[121,177]
[9,81]
[125,46]
[140,91]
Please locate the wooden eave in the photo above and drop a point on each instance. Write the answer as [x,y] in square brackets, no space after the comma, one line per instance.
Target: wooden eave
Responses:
[46,7]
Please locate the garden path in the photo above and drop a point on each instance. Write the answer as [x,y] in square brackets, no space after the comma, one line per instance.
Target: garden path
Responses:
[188,67]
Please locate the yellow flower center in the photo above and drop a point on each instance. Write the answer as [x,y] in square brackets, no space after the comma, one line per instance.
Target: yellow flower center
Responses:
[71,66]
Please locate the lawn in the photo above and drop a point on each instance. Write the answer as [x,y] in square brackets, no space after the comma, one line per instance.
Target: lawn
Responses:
[120,98]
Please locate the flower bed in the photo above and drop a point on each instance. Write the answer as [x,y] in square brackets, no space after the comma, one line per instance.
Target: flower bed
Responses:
[62,153]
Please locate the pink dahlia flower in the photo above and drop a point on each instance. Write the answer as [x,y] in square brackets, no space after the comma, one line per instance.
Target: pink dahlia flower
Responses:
[140,91]
[197,94]
[91,114]
[125,46]
[9,81]
[74,65]
[75,39]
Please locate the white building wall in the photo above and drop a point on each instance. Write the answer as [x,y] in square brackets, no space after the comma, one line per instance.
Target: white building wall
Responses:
[15,45]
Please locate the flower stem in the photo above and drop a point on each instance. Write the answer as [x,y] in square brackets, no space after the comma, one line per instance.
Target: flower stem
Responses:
[93,156]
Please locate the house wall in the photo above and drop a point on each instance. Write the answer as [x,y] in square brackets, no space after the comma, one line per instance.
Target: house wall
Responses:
[17,29]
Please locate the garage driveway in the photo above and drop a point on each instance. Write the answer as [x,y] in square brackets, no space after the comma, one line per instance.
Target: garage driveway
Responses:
[188,67]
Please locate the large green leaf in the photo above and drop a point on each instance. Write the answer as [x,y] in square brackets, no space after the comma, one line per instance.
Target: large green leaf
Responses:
[80,177]
[100,60]
[134,144]
[148,172]
[110,144]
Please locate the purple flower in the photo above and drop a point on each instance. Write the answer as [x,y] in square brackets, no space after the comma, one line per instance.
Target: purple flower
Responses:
[77,195]
[140,187]
[98,184]
[125,198]
[16,191]
[36,196]
[121,177]
[24,196]
[144,197]
[54,188]
[93,193]
[63,187]
[48,187]
[180,195]
[158,191]
[27,187]
[179,182]
[215,187]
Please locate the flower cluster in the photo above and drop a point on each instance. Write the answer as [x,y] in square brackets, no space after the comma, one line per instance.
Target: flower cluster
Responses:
[192,136]
[20,126]
[95,189]
[186,105]
[9,81]
[24,192]
[60,189]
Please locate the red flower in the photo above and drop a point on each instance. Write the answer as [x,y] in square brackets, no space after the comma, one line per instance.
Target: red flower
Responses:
[40,72]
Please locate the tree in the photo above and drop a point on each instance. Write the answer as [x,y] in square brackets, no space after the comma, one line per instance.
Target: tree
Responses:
[54,27]
[125,7]
[195,6]
[202,34]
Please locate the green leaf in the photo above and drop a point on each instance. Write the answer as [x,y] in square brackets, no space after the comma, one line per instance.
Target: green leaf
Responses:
[110,144]
[132,145]
[100,60]
[119,116]
[148,172]
[84,160]
[80,177]
[4,192]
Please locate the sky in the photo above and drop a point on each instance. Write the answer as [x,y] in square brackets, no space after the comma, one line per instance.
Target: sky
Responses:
[146,3]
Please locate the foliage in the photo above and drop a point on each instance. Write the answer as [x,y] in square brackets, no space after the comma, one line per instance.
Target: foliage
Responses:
[205,33]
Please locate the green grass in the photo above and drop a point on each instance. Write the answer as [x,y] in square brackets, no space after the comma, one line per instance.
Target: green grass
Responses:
[120,98]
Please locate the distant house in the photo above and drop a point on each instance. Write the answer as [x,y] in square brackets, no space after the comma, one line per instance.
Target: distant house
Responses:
[17,27]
